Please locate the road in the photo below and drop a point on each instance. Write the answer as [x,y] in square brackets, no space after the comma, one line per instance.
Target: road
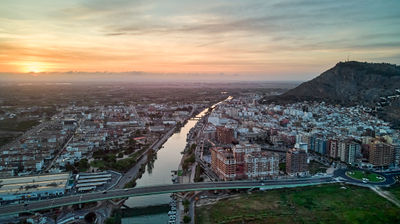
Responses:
[389,180]
[206,169]
[161,141]
[386,194]
[63,148]
[160,189]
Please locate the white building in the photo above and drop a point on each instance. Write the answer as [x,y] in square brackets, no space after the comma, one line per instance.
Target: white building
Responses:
[27,187]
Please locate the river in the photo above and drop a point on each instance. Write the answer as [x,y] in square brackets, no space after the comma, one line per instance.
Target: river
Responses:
[168,159]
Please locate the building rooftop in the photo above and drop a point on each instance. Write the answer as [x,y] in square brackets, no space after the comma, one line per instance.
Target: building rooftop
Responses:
[28,184]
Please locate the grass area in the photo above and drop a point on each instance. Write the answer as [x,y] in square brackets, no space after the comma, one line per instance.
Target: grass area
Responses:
[82,166]
[359,175]
[115,218]
[189,160]
[130,184]
[13,128]
[315,167]
[15,125]
[98,164]
[108,161]
[316,204]
[5,140]
[395,190]
[188,157]
[197,176]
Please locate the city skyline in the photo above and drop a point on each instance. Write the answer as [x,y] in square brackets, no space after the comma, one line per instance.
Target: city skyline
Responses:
[134,111]
[289,40]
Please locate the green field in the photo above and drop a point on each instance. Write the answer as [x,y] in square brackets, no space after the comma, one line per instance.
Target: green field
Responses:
[5,140]
[15,125]
[109,160]
[316,204]
[395,190]
[359,175]
[12,128]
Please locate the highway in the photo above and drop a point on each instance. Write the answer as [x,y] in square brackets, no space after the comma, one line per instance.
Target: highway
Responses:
[160,189]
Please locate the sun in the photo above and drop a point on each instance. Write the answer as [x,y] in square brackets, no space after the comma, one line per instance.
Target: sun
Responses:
[34,67]
[34,70]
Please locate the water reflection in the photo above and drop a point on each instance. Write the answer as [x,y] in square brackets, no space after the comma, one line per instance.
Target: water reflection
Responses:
[159,172]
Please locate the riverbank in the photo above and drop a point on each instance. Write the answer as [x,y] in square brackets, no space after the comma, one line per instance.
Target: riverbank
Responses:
[133,172]
[158,171]
[188,168]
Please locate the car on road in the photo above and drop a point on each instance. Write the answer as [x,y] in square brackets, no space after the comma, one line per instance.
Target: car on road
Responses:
[104,192]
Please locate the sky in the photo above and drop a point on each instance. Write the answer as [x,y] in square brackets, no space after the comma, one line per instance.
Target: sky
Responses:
[277,40]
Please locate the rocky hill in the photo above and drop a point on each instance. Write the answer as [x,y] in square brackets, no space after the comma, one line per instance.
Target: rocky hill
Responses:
[376,85]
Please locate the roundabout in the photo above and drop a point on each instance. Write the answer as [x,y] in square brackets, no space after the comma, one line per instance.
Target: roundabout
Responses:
[365,176]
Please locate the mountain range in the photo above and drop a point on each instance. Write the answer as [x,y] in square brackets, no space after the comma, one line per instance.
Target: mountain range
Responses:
[376,85]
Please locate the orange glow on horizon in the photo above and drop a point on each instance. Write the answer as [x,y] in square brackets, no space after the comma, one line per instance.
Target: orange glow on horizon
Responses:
[32,67]
[216,37]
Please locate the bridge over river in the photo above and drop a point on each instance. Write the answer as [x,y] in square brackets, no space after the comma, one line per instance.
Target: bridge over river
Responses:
[158,189]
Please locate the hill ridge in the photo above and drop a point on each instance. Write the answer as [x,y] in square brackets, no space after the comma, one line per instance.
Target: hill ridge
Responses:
[351,83]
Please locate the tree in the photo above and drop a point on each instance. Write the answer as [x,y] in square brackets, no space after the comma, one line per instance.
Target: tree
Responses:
[110,220]
[186,219]
[20,168]
[282,167]
[69,167]
[132,142]
[192,148]
[186,204]
[90,217]
[82,165]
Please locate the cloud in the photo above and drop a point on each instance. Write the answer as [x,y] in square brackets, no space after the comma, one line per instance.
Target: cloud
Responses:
[194,35]
[277,25]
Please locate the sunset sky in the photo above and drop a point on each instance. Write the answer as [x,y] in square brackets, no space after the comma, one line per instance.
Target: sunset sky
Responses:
[292,39]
